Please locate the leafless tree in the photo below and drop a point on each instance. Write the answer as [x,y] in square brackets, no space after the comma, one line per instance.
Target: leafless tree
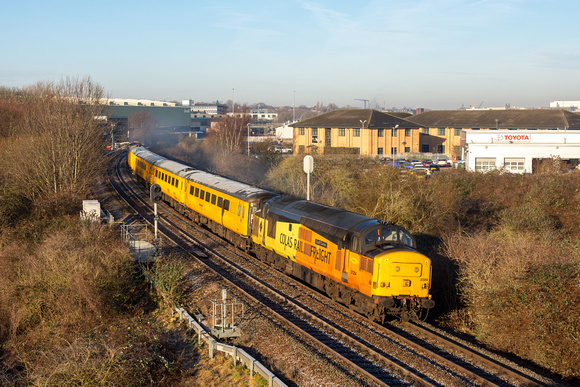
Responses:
[59,145]
[230,133]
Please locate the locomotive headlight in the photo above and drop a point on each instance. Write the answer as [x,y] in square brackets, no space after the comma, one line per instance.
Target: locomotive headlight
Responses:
[407,283]
[397,268]
[416,269]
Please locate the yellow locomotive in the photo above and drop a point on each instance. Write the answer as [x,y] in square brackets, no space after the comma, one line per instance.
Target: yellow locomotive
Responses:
[370,265]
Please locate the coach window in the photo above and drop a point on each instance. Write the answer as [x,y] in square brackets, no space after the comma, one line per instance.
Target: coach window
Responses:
[191,190]
[197,192]
[207,196]
[226,205]
[201,194]
[213,199]
[220,202]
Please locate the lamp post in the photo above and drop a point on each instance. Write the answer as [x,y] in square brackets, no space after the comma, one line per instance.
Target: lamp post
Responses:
[248,139]
[393,141]
[362,129]
[294,111]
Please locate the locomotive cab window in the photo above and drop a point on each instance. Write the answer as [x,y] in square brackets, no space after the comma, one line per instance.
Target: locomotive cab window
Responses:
[372,237]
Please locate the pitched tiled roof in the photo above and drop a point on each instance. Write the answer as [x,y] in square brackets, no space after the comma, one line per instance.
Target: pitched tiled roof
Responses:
[517,119]
[351,118]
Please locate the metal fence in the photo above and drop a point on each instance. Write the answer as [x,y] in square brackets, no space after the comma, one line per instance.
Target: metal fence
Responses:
[238,354]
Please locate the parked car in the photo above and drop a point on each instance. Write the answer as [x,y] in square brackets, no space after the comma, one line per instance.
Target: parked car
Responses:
[433,167]
[443,162]
[420,172]
[427,162]
[280,149]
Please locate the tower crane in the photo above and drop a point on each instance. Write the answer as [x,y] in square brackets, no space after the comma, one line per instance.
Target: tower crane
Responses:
[364,100]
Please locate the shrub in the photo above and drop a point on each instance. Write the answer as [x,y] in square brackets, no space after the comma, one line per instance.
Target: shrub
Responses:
[520,297]
[168,279]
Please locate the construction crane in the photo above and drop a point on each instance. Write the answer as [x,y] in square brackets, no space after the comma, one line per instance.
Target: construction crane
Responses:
[364,100]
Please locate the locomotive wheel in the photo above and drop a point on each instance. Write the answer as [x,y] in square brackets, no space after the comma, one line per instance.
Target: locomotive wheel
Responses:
[374,314]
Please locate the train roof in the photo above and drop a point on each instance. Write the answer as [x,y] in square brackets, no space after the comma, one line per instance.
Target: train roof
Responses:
[234,188]
[231,187]
[303,210]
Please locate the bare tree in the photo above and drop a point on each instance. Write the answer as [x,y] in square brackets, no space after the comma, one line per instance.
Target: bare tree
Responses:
[230,133]
[59,145]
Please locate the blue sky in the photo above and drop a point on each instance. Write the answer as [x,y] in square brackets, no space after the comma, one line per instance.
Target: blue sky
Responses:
[433,54]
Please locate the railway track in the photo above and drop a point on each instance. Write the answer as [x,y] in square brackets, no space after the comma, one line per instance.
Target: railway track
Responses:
[372,353]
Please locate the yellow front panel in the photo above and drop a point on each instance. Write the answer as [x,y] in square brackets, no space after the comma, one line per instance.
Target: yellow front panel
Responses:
[401,272]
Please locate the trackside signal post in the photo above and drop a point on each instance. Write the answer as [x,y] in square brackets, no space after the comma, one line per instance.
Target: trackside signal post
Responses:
[155,196]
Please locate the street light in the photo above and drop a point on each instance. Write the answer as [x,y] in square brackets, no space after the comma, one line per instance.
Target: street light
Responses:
[393,142]
[294,111]
[249,138]
[363,124]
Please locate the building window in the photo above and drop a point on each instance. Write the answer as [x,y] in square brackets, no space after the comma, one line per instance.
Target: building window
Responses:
[441,131]
[515,165]
[483,164]
[342,132]
[314,135]
[356,132]
[301,132]
[426,131]
[441,148]
[380,151]
[356,150]
[301,148]
[458,131]
[407,132]
[424,148]
[407,149]
[394,134]
[381,132]
[393,150]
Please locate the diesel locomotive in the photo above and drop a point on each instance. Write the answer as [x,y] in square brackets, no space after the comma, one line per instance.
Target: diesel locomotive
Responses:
[370,265]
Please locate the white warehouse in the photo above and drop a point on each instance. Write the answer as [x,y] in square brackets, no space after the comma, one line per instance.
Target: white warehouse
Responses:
[519,151]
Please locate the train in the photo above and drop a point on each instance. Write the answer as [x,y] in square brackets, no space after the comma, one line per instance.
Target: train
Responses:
[370,265]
